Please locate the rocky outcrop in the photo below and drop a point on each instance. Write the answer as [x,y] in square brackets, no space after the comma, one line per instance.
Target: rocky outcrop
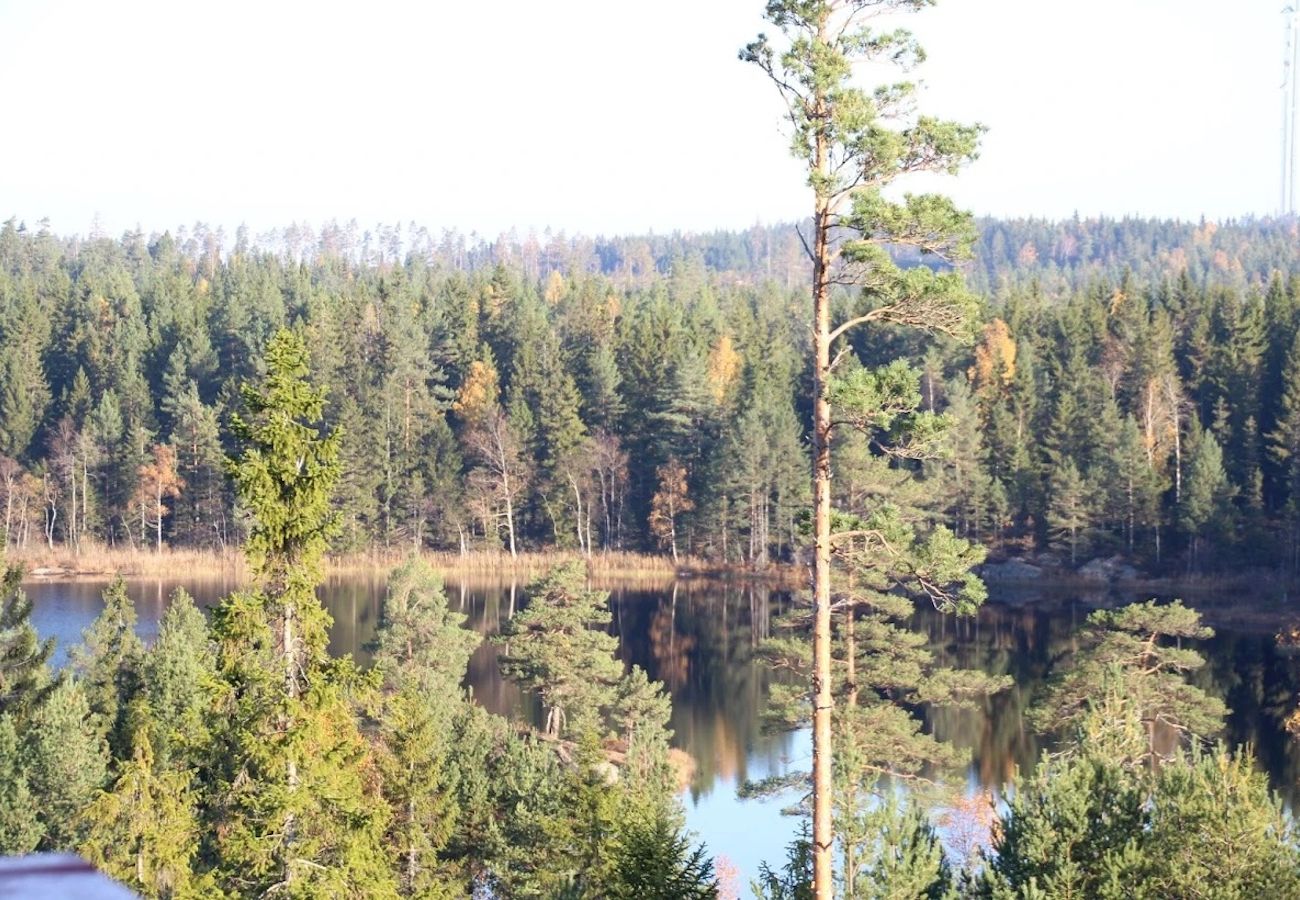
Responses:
[1108,570]
[1014,569]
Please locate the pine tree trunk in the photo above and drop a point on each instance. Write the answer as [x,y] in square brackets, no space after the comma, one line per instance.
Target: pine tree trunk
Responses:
[823,838]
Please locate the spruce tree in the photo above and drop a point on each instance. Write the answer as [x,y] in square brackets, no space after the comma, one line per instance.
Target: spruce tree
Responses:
[295,802]
[423,652]
[109,664]
[1206,497]
[24,676]
[65,758]
[179,672]
[143,829]
[20,825]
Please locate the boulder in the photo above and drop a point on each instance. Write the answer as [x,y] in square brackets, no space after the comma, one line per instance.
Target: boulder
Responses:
[1109,570]
[1013,569]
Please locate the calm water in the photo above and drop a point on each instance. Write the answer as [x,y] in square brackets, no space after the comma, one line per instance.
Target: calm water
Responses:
[699,639]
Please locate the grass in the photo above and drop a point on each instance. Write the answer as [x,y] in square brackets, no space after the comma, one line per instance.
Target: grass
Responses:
[98,561]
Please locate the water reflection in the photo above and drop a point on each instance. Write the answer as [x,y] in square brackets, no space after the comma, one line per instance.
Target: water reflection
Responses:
[699,638]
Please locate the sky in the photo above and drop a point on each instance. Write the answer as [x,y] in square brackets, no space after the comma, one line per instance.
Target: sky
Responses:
[601,116]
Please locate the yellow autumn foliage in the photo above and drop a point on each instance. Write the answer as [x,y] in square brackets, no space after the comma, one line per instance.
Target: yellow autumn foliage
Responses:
[478,393]
[724,367]
[995,356]
[556,288]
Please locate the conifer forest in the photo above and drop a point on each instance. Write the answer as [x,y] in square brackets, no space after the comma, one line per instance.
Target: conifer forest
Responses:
[1134,388]
[888,406]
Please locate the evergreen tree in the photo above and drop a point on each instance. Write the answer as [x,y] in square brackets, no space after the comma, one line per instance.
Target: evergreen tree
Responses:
[423,651]
[1128,650]
[65,758]
[109,662]
[553,646]
[853,144]
[1070,515]
[1207,495]
[20,824]
[1284,447]
[143,830]
[1093,824]
[296,806]
[24,676]
[178,676]
[656,862]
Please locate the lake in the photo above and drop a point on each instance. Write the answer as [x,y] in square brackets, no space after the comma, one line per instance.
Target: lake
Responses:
[699,637]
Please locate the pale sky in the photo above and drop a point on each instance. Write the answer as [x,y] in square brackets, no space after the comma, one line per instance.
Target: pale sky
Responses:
[600,116]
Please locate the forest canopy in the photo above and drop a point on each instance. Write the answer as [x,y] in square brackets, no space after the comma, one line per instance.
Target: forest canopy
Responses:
[1135,389]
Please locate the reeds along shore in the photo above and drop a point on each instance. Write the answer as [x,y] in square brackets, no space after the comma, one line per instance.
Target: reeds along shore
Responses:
[101,562]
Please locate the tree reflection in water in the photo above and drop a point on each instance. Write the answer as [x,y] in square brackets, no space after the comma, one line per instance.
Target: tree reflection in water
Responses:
[699,637]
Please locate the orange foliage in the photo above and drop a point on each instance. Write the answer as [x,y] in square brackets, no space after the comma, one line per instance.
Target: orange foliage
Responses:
[995,356]
[969,825]
[478,393]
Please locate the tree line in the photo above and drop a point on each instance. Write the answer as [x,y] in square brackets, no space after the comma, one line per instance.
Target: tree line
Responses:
[482,409]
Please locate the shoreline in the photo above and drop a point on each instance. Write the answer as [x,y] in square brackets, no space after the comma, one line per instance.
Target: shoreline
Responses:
[100,563]
[1260,601]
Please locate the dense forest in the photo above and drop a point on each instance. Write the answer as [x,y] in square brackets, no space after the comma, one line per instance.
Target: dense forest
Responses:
[232,757]
[1135,389]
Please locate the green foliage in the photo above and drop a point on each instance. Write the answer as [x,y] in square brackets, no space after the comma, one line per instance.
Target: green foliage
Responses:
[20,825]
[295,791]
[285,475]
[1087,825]
[1207,492]
[897,854]
[1062,829]
[293,785]
[65,759]
[179,679]
[143,830]
[1070,514]
[109,662]
[794,880]
[1122,352]
[656,862]
[423,652]
[420,639]
[24,676]
[1137,651]
[554,647]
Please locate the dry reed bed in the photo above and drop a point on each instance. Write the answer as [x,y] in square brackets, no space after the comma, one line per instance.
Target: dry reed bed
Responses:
[99,562]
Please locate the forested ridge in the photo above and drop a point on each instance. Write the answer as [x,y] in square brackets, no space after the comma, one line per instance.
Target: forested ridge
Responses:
[1136,389]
